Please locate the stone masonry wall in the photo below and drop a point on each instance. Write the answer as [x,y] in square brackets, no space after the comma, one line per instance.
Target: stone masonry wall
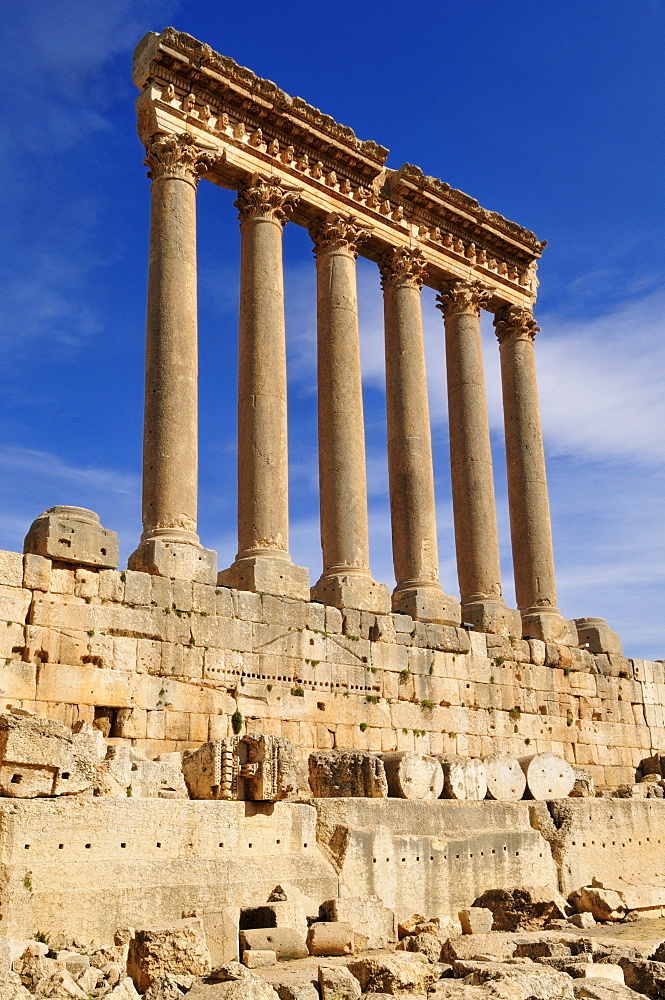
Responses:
[166,664]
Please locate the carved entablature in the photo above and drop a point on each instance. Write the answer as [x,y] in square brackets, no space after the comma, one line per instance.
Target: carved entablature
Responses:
[186,87]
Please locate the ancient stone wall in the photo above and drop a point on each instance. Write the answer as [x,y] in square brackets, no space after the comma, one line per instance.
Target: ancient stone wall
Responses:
[165,664]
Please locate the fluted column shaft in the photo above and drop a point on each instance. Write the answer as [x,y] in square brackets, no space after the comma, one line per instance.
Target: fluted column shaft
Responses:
[169,544]
[263,562]
[474,506]
[346,580]
[412,504]
[530,527]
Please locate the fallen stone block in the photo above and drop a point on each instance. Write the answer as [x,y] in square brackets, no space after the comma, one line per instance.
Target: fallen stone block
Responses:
[168,988]
[506,781]
[464,778]
[11,987]
[367,915]
[286,892]
[347,773]
[548,776]
[125,990]
[286,943]
[644,976]
[602,970]
[584,786]
[523,908]
[603,904]
[423,944]
[42,757]
[476,920]
[72,535]
[267,768]
[231,971]
[337,984]
[299,987]
[538,984]
[60,985]
[603,989]
[74,963]
[259,959]
[331,939]
[391,974]
[221,932]
[277,914]
[582,920]
[468,947]
[236,989]
[178,948]
[412,775]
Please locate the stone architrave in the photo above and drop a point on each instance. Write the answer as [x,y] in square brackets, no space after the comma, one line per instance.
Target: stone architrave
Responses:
[346,581]
[72,534]
[474,507]
[267,768]
[169,544]
[211,772]
[412,506]
[347,773]
[530,528]
[263,563]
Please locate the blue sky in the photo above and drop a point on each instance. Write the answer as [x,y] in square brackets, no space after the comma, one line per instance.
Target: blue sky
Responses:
[548,111]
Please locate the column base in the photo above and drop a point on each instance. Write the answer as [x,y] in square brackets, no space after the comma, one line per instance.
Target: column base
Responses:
[178,560]
[492,614]
[596,636]
[356,591]
[267,574]
[548,625]
[427,604]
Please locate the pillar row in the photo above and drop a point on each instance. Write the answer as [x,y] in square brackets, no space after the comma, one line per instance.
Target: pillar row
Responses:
[530,527]
[474,506]
[169,544]
[263,563]
[346,581]
[418,591]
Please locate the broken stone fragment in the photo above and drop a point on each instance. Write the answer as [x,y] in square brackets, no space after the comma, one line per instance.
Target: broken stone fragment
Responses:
[603,904]
[300,987]
[603,989]
[337,983]
[72,535]
[284,941]
[347,773]
[259,959]
[258,768]
[463,777]
[367,915]
[523,907]
[476,920]
[178,948]
[331,939]
[392,974]
[42,757]
[422,944]
[238,989]
[278,914]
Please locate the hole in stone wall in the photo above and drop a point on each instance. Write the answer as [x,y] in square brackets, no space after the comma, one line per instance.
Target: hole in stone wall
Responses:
[60,846]
[105,721]
[17,779]
[65,775]
[88,846]
[158,844]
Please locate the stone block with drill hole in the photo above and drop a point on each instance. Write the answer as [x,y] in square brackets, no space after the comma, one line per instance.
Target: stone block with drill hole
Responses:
[176,560]
[330,939]
[42,757]
[548,776]
[463,777]
[595,635]
[73,535]
[277,914]
[178,948]
[412,775]
[506,781]
[284,941]
[347,773]
[476,920]
[367,915]
[337,983]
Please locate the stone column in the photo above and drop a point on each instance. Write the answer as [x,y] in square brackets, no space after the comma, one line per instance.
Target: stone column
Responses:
[412,508]
[346,581]
[530,528]
[474,508]
[263,563]
[169,544]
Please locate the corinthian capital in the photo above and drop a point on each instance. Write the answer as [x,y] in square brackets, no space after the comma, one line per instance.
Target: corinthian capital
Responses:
[337,232]
[177,156]
[264,198]
[515,323]
[462,297]
[403,266]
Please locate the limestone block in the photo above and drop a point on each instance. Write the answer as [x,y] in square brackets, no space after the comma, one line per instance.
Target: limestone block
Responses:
[281,913]
[42,757]
[595,635]
[285,892]
[367,915]
[211,772]
[597,988]
[468,947]
[334,773]
[267,768]
[531,978]
[523,907]
[11,569]
[60,985]
[585,921]
[337,983]
[548,776]
[158,779]
[176,560]
[72,535]
[74,963]
[463,777]
[412,775]
[584,786]
[422,944]
[14,604]
[506,781]
[603,904]
[235,989]
[286,943]
[476,920]
[259,959]
[114,773]
[393,974]
[330,939]
[178,948]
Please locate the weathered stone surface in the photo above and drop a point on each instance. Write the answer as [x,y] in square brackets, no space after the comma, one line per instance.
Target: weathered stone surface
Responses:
[334,938]
[603,989]
[506,780]
[337,983]
[342,773]
[211,772]
[392,974]
[235,989]
[158,779]
[41,757]
[286,943]
[423,943]
[476,920]
[463,777]
[522,908]
[285,892]
[548,776]
[221,932]
[367,915]
[125,990]
[178,948]
[469,947]
[60,985]
[267,768]
[412,775]
[603,904]
[644,976]
[277,914]
[72,535]
[298,987]
[539,984]
[167,988]
[11,987]
[583,920]
[259,959]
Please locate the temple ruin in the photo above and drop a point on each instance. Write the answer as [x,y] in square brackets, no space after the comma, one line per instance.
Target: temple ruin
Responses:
[178,741]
